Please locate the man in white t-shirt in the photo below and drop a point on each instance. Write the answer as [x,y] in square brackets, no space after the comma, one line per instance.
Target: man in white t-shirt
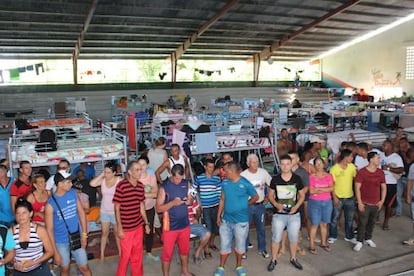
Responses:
[393,166]
[63,165]
[260,179]
[361,160]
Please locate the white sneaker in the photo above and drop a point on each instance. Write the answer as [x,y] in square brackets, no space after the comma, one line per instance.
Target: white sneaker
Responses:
[331,240]
[353,240]
[370,243]
[358,246]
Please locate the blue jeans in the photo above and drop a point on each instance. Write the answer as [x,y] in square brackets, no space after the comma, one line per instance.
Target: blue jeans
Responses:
[210,219]
[348,204]
[257,214]
[401,187]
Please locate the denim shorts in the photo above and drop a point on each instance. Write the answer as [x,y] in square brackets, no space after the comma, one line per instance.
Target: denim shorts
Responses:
[229,230]
[107,217]
[320,211]
[290,222]
[199,230]
[210,219]
[64,251]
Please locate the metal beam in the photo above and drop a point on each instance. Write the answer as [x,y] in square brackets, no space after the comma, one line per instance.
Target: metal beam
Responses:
[173,70]
[182,48]
[79,43]
[267,52]
[256,69]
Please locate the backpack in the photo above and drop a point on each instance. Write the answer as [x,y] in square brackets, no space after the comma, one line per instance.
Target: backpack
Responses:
[3,235]
[47,141]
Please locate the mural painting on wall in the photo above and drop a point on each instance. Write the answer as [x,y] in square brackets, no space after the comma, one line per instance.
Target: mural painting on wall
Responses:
[380,81]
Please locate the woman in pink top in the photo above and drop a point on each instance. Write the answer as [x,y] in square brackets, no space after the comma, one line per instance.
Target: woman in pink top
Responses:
[108,181]
[320,207]
[151,190]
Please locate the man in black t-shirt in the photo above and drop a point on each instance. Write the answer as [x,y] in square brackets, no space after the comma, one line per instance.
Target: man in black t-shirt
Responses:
[286,194]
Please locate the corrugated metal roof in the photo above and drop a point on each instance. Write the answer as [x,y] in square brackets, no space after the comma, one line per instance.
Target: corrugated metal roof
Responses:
[210,29]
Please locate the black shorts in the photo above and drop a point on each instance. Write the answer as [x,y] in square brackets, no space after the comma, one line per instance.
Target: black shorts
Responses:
[390,199]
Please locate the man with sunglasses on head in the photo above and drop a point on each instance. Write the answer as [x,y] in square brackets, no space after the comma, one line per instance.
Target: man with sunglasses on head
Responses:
[63,165]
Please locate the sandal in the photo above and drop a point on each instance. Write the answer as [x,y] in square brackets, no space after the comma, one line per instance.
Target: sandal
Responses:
[313,251]
[208,256]
[219,271]
[197,259]
[385,228]
[240,271]
[408,242]
[327,248]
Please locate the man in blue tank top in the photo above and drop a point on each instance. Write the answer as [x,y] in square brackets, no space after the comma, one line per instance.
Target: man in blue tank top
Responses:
[173,201]
[233,215]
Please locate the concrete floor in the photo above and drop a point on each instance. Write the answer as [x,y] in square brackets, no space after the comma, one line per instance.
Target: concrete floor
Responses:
[389,257]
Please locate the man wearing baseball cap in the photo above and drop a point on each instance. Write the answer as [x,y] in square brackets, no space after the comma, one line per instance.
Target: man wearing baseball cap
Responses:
[65,201]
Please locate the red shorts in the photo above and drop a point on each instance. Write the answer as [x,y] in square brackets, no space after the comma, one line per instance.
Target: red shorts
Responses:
[170,238]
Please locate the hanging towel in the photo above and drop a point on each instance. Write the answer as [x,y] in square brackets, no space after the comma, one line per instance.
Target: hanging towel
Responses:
[178,137]
[14,74]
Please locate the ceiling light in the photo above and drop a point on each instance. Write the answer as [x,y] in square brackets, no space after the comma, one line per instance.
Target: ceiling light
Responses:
[366,36]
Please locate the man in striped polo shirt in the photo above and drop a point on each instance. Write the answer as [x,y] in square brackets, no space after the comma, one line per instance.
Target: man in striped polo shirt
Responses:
[209,189]
[130,217]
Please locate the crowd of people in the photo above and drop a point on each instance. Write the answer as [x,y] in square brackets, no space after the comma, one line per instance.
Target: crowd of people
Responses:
[43,218]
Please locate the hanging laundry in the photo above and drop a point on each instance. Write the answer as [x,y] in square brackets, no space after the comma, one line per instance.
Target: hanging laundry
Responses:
[14,74]
[38,66]
[29,68]
[22,69]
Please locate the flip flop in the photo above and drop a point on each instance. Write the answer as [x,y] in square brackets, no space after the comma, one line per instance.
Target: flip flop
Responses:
[240,271]
[313,251]
[219,271]
[408,242]
[197,259]
[327,248]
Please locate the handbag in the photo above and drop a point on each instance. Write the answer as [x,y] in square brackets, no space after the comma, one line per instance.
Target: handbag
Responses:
[74,238]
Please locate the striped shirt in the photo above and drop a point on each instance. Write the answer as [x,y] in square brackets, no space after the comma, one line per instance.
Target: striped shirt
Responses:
[28,250]
[209,190]
[129,198]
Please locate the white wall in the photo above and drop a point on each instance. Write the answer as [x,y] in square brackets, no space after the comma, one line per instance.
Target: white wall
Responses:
[384,53]
[99,102]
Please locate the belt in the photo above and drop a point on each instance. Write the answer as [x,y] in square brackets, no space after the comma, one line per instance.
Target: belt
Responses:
[259,203]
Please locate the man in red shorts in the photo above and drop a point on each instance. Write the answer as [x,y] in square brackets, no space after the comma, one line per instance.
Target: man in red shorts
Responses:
[173,201]
[130,216]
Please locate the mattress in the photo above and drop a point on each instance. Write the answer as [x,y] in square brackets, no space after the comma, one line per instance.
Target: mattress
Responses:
[94,146]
